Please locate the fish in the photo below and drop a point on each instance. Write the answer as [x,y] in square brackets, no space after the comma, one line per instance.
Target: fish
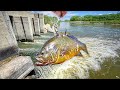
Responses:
[59,48]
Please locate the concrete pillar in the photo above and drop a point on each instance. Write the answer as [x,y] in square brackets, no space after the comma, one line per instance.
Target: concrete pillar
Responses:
[37,26]
[33,27]
[27,24]
[19,28]
[36,15]
[14,29]
[41,18]
[8,43]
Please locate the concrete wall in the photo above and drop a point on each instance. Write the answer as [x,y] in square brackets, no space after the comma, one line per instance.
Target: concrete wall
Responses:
[21,13]
[14,29]
[41,18]
[23,29]
[33,27]
[36,15]
[19,28]
[37,26]
[8,43]
[27,24]
[12,66]
[22,25]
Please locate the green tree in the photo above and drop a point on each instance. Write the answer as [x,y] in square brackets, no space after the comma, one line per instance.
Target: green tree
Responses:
[50,20]
[112,18]
[75,18]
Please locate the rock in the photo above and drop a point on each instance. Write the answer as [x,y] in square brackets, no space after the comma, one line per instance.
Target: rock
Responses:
[55,28]
[16,68]
[45,28]
[48,28]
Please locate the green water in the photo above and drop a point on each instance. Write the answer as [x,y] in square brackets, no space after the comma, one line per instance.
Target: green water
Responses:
[110,66]
[31,48]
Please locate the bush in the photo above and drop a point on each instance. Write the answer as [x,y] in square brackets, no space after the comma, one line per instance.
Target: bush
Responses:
[50,20]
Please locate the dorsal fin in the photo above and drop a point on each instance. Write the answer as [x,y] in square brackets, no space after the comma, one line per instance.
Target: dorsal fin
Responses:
[66,32]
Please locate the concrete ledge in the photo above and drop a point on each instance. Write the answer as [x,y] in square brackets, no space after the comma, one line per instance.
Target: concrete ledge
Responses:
[16,68]
[21,13]
[7,52]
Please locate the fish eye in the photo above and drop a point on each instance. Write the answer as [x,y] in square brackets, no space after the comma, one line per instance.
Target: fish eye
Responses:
[37,54]
[42,53]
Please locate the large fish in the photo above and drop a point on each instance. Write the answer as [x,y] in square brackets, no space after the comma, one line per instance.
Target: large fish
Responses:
[60,48]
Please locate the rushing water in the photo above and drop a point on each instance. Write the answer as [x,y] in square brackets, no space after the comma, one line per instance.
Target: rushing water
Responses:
[103,43]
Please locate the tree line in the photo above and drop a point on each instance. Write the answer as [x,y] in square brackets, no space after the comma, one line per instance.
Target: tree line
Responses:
[96,17]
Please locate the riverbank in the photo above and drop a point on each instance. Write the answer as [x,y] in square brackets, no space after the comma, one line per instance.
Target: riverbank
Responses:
[112,22]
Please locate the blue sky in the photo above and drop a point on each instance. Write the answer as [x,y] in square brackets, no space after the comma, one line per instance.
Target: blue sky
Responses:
[78,13]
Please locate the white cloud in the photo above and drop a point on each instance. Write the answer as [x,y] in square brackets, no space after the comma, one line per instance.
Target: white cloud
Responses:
[100,14]
[71,14]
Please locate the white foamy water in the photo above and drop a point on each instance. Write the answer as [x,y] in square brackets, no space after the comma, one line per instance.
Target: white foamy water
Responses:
[78,67]
[27,49]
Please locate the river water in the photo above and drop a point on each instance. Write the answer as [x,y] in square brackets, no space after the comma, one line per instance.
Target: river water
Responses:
[103,43]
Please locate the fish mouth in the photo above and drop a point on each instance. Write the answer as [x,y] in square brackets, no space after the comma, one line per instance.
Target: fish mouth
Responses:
[40,61]
[39,64]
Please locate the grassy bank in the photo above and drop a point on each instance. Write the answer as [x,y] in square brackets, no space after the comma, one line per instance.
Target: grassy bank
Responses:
[106,19]
[116,22]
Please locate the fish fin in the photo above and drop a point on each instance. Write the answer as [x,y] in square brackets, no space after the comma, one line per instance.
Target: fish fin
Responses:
[57,34]
[66,32]
[85,50]
[84,47]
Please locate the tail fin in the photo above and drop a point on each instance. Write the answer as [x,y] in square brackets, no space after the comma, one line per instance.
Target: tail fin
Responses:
[85,50]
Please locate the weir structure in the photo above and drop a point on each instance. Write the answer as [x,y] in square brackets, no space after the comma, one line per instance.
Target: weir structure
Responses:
[17,26]
[26,25]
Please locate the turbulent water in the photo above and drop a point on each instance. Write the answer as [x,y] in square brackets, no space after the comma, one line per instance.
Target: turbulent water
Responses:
[103,43]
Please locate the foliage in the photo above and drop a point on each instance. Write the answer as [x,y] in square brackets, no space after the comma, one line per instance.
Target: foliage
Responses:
[106,18]
[75,18]
[50,20]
